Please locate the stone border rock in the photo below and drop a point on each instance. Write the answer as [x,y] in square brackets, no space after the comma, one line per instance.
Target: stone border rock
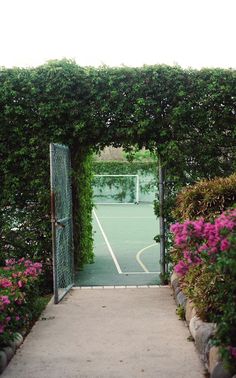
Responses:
[8,352]
[201,332]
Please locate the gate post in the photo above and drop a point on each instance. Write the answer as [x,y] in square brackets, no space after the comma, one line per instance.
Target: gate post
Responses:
[161,218]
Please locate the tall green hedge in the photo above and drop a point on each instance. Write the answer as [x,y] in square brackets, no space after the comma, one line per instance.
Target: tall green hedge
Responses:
[37,106]
[187,117]
[124,167]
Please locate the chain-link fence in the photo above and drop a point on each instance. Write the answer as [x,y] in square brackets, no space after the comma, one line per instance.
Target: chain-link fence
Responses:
[62,226]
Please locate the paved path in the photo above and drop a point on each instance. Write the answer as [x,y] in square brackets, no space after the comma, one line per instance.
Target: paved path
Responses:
[108,333]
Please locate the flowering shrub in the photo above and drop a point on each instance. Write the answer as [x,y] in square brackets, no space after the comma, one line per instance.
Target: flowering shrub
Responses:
[205,258]
[201,241]
[18,291]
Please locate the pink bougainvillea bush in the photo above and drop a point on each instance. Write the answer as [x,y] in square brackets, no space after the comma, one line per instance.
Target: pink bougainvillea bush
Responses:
[201,242]
[204,254]
[18,291]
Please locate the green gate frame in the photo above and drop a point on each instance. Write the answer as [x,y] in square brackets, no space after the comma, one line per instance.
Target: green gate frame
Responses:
[61,220]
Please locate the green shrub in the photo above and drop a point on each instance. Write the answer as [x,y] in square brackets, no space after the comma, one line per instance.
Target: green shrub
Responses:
[226,323]
[207,289]
[180,311]
[207,198]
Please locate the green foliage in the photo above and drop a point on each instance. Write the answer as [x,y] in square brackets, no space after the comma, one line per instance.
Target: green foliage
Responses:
[170,111]
[125,168]
[37,106]
[180,311]
[83,205]
[226,324]
[206,199]
[165,277]
[207,289]
[178,114]
[39,305]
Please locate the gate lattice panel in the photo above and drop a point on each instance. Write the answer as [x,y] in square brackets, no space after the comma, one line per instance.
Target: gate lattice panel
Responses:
[62,222]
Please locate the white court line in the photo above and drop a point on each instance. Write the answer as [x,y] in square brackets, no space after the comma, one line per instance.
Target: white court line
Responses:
[108,244]
[138,258]
[140,273]
[128,217]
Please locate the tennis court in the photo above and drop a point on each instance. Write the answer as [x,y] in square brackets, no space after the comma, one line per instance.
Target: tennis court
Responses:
[125,252]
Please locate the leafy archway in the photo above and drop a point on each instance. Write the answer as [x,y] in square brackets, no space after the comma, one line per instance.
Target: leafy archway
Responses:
[186,117]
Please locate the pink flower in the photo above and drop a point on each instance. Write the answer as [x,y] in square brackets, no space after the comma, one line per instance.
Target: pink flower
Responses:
[17,317]
[181,268]
[224,245]
[20,284]
[31,271]
[212,251]
[5,300]
[1,328]
[180,240]
[10,262]
[21,260]
[4,282]
[27,263]
[175,227]
[38,265]
[202,248]
[199,227]
[19,301]
[187,256]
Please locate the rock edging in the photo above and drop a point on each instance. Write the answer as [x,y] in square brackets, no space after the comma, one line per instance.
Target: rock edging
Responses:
[8,351]
[201,332]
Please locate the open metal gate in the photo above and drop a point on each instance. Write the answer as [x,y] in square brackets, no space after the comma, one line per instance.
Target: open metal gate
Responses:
[61,218]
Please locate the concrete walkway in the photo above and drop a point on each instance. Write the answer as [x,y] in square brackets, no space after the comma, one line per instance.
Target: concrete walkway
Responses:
[108,333]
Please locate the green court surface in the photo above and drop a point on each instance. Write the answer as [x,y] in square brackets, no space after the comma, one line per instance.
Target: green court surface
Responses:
[125,252]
